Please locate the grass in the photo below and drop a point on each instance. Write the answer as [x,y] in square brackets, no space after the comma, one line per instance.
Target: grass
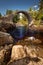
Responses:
[24,22]
[37,22]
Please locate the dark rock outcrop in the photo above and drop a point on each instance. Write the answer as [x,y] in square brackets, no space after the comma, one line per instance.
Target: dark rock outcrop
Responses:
[5,54]
[5,26]
[5,38]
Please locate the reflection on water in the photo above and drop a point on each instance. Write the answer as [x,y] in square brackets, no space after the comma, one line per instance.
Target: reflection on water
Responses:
[19,32]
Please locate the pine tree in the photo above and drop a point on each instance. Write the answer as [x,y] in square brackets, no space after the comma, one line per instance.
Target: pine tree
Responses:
[0,15]
[41,5]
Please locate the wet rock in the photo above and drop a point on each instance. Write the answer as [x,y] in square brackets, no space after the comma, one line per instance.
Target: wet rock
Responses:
[18,52]
[30,38]
[5,38]
[33,40]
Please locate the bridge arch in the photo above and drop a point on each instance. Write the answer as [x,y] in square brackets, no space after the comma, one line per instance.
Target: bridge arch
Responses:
[27,15]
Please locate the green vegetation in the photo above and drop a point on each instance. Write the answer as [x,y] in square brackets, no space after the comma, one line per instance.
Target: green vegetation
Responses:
[40,12]
[15,18]
[41,5]
[9,12]
[23,20]
[35,14]
[0,15]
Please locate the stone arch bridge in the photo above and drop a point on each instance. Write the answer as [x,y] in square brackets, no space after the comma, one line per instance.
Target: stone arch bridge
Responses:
[28,16]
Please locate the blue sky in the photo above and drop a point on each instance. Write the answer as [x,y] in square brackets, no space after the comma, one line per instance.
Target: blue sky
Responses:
[16,5]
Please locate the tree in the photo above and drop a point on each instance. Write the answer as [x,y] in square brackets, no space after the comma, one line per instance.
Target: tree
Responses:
[33,13]
[15,18]
[40,12]
[30,9]
[9,12]
[0,15]
[41,5]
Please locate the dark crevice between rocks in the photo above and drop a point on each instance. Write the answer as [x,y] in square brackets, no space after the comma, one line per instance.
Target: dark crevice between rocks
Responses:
[7,55]
[24,61]
[36,59]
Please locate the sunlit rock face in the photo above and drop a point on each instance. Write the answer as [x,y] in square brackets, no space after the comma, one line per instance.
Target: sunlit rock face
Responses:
[2,53]
[18,52]
[31,57]
[31,52]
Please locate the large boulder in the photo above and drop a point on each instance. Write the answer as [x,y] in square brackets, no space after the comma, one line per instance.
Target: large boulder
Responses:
[7,26]
[5,38]
[18,52]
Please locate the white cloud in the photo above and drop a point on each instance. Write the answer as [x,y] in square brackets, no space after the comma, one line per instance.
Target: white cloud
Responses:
[38,9]
[36,6]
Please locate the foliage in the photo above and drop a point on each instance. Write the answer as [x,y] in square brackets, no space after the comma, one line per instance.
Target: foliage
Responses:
[33,13]
[30,9]
[40,16]
[37,22]
[40,5]
[9,12]
[0,15]
[24,18]
[15,18]
[24,22]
